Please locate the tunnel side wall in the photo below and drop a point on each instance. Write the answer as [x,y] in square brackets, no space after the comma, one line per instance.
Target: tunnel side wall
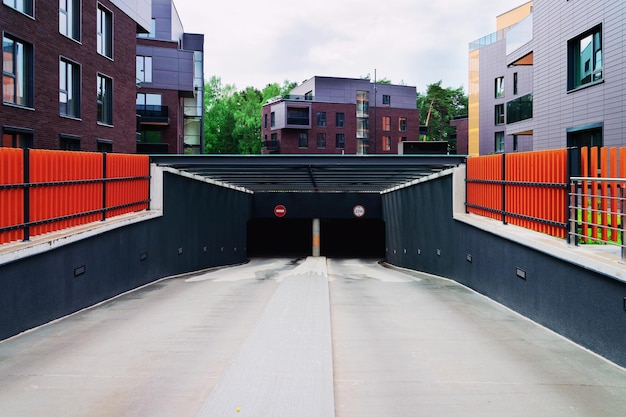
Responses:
[202,226]
[584,306]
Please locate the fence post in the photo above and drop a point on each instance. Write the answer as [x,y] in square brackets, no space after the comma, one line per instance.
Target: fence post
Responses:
[26,195]
[104,186]
[573,170]
[623,216]
[504,188]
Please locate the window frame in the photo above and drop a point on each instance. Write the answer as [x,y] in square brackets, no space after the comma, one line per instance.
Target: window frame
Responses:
[104,31]
[402,124]
[386,143]
[69,142]
[386,100]
[19,137]
[72,12]
[72,88]
[499,87]
[386,122]
[320,119]
[104,106]
[596,62]
[303,140]
[22,72]
[498,141]
[340,119]
[498,114]
[143,75]
[28,10]
[321,140]
[340,141]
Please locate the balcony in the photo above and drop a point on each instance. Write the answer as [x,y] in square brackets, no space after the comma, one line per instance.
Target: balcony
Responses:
[153,115]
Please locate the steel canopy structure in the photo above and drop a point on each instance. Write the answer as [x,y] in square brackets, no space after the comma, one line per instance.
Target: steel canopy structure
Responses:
[311,173]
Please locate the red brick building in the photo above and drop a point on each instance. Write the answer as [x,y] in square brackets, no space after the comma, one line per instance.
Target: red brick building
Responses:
[327,115]
[69,74]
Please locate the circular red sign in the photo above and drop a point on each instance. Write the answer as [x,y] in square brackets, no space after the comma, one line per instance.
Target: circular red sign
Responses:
[358,211]
[280,210]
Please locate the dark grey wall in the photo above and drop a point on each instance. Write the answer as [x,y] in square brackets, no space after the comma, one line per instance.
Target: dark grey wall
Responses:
[208,224]
[582,305]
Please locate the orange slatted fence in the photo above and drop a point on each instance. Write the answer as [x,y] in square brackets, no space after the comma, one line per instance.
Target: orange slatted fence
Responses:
[11,195]
[128,183]
[528,189]
[484,192]
[42,191]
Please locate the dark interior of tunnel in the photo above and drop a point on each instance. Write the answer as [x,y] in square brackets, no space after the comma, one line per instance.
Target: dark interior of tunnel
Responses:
[339,238]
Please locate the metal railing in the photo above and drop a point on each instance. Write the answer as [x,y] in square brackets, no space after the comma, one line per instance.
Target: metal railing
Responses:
[597,211]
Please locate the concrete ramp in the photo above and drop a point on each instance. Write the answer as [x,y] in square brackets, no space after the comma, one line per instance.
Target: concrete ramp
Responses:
[284,367]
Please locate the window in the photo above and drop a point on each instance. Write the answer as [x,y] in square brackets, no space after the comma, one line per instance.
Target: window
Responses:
[386,123]
[321,140]
[151,136]
[272,119]
[144,69]
[340,141]
[24,6]
[519,109]
[499,142]
[402,124]
[105,99]
[515,83]
[105,145]
[362,103]
[340,119]
[585,59]
[69,18]
[515,143]
[386,100]
[17,138]
[148,101]
[104,32]
[17,72]
[69,143]
[303,140]
[298,116]
[499,87]
[587,135]
[265,120]
[321,119]
[386,143]
[152,33]
[69,88]
[499,114]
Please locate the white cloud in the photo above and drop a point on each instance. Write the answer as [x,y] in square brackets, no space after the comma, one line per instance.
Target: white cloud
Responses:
[418,42]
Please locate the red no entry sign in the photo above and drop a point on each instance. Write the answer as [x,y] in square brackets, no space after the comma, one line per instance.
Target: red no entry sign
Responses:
[280,210]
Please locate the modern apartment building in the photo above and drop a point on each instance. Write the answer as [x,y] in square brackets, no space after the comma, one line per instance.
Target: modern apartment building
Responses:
[68,77]
[327,115]
[170,80]
[553,76]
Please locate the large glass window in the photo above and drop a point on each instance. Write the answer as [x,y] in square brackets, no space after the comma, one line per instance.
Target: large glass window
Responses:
[24,6]
[105,99]
[499,142]
[298,116]
[519,109]
[144,69]
[69,88]
[362,103]
[104,32]
[69,18]
[499,87]
[585,64]
[17,72]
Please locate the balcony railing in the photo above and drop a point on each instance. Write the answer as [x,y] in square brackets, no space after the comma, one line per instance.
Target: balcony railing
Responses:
[153,114]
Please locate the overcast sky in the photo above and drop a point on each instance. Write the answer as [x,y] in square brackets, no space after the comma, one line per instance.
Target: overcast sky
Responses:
[415,42]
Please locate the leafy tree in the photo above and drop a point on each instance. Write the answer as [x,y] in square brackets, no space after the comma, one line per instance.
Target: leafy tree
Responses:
[233,118]
[444,104]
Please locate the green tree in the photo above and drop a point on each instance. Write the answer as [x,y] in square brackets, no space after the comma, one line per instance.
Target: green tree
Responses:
[440,105]
[233,118]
